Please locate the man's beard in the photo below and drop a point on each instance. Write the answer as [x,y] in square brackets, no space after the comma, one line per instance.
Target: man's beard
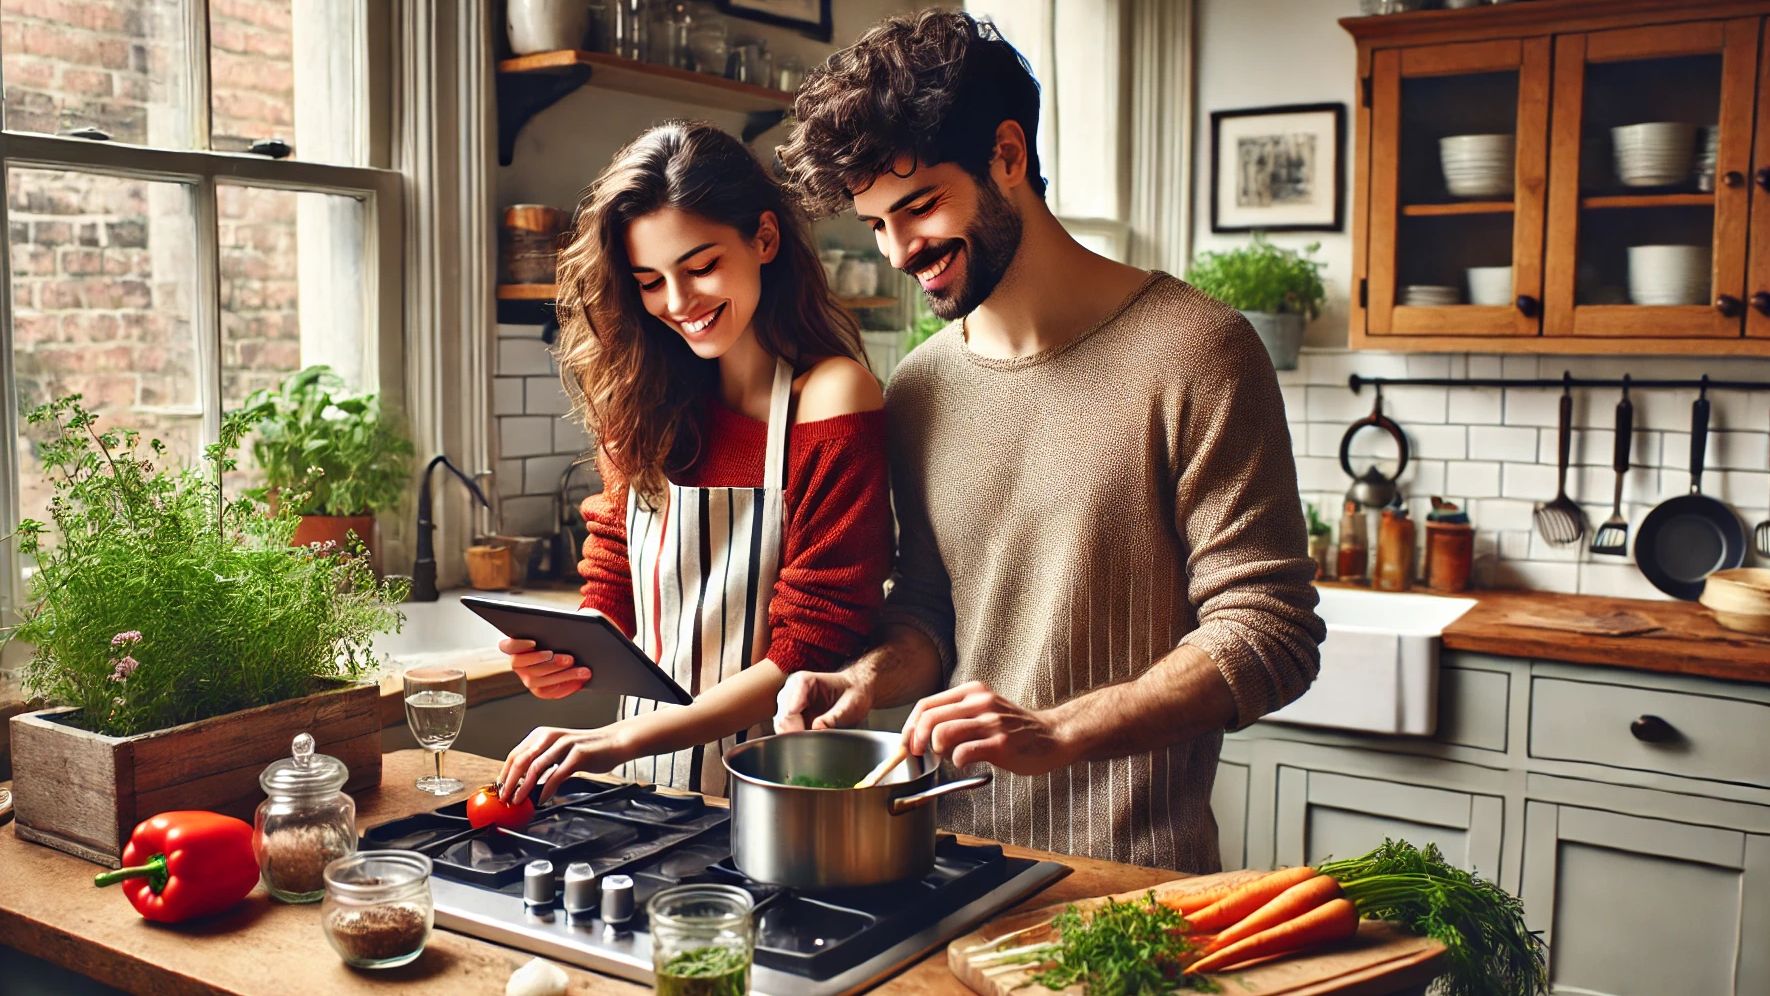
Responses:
[991,241]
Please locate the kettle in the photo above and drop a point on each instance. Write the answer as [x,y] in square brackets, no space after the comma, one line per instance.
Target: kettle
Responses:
[1373,489]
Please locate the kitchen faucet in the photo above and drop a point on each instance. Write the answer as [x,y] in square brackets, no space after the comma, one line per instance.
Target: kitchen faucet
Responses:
[424,568]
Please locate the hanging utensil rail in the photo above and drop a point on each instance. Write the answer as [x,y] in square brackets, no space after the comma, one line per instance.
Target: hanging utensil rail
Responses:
[1358,381]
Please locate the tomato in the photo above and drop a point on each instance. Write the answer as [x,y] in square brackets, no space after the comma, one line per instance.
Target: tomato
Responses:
[486,809]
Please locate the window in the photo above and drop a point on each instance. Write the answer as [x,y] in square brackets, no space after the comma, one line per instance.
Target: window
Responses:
[1081,121]
[197,202]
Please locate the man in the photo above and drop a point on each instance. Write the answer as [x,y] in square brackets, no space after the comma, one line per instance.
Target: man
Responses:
[1101,551]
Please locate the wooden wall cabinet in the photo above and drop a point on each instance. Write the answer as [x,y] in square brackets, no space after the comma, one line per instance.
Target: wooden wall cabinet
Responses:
[1556,77]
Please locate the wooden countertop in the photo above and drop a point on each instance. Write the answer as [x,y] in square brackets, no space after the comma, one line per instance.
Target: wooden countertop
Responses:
[50,910]
[1678,637]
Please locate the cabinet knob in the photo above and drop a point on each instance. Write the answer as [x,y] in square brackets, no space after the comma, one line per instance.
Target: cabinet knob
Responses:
[1761,301]
[1650,729]
[1729,306]
[1527,305]
[1733,178]
[1763,177]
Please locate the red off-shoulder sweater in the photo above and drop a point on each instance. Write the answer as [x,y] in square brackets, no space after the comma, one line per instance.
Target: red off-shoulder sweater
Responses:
[836,544]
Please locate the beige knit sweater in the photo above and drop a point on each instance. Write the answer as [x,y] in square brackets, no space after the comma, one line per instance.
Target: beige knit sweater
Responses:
[1067,518]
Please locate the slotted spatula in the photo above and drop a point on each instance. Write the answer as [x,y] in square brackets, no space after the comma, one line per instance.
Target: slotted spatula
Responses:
[1560,521]
[1613,535]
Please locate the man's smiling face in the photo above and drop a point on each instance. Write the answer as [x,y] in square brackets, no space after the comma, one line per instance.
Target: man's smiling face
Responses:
[954,233]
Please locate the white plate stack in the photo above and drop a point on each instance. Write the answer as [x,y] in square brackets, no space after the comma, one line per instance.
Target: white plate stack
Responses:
[1710,145]
[1429,296]
[1668,275]
[1654,153]
[1477,165]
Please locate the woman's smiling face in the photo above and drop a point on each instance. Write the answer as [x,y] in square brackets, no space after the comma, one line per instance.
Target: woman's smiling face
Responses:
[699,277]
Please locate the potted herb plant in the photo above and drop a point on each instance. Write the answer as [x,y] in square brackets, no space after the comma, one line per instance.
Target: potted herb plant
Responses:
[1276,289]
[346,457]
[181,637]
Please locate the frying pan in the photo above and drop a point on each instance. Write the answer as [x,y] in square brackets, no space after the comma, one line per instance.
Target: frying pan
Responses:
[1687,538]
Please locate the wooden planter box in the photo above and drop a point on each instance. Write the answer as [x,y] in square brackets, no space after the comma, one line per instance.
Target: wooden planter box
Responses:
[84,792]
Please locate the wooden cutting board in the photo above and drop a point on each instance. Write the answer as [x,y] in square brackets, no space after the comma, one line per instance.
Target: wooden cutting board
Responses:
[1382,958]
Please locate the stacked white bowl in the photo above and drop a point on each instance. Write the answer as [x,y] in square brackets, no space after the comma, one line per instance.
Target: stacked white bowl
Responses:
[1654,153]
[1429,295]
[1709,141]
[1477,165]
[1663,275]
[1490,285]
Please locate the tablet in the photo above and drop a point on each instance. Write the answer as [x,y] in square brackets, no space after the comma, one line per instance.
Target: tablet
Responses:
[615,663]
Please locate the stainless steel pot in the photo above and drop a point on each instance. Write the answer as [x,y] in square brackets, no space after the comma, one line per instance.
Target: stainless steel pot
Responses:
[832,838]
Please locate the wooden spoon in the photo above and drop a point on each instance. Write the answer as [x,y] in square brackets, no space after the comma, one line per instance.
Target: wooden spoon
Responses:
[878,774]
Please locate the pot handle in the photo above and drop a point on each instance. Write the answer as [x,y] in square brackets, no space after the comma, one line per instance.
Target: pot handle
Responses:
[1383,422]
[904,803]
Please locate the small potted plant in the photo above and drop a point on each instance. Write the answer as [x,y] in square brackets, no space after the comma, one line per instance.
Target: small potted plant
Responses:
[181,637]
[340,452]
[1277,290]
[1320,540]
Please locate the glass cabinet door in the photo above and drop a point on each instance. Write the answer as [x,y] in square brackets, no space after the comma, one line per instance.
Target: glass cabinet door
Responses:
[1757,319]
[1648,191]
[1458,162]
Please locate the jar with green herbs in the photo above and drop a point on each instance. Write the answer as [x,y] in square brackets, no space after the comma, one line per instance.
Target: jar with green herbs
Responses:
[702,940]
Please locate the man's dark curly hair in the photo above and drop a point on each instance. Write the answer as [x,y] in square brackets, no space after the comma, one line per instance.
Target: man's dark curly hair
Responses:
[936,84]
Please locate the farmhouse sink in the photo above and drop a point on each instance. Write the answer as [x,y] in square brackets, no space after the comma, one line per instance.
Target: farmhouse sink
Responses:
[1379,664]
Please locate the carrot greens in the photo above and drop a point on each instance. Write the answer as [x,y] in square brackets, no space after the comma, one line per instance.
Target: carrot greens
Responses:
[1119,949]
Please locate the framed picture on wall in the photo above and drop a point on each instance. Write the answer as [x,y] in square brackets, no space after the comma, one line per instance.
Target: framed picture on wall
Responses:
[1278,169]
[808,17]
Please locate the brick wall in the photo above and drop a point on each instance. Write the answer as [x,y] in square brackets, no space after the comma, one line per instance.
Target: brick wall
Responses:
[103,268]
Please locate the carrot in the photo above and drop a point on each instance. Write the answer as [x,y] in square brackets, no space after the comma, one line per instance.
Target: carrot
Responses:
[1229,910]
[1334,920]
[1192,902]
[1288,905]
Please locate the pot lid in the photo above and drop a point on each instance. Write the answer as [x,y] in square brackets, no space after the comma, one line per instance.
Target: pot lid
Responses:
[304,772]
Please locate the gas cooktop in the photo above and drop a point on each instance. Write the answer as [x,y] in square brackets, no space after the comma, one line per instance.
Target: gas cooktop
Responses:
[814,943]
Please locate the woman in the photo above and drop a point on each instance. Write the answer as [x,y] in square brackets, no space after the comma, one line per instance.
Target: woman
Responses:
[745,529]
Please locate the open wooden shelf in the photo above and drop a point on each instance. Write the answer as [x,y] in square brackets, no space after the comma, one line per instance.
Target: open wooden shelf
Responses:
[1456,208]
[529,84]
[527,292]
[1648,201]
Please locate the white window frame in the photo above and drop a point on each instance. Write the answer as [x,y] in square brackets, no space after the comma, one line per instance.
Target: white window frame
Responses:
[381,190]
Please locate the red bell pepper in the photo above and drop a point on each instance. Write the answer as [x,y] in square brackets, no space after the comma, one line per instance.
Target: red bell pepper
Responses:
[185,864]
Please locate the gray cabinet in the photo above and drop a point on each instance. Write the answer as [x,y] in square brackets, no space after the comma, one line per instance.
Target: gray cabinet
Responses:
[1229,804]
[1636,905]
[1323,814]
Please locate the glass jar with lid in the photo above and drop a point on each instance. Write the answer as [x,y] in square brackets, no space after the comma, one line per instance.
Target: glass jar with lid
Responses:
[305,822]
[378,911]
[702,939]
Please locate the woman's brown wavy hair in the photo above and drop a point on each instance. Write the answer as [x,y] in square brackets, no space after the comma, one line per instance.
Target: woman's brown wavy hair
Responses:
[639,388]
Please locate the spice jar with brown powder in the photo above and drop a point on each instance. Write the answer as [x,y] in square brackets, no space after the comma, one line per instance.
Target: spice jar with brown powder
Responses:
[378,910]
[305,822]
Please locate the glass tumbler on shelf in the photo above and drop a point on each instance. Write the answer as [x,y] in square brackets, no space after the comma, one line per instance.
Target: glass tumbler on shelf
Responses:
[436,704]
[702,939]
[706,44]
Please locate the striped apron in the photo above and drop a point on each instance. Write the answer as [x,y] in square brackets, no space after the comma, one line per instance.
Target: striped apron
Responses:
[704,565]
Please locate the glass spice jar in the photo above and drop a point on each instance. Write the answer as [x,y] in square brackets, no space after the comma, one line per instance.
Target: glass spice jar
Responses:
[305,822]
[702,940]
[378,910]
[1395,551]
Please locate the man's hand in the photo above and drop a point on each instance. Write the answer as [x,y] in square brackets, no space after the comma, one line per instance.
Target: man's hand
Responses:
[545,674]
[815,700]
[562,750]
[971,723]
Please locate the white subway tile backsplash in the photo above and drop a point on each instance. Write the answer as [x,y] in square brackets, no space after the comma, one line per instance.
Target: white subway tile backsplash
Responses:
[1476,406]
[540,475]
[1474,478]
[1528,481]
[525,435]
[506,395]
[1494,451]
[1495,442]
[569,437]
[1439,442]
[546,396]
[517,356]
[509,478]
[531,515]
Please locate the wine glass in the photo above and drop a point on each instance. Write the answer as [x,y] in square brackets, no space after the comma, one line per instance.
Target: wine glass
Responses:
[436,703]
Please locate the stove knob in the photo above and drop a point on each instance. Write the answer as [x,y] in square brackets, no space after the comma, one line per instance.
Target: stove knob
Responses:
[617,899]
[580,888]
[537,883]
